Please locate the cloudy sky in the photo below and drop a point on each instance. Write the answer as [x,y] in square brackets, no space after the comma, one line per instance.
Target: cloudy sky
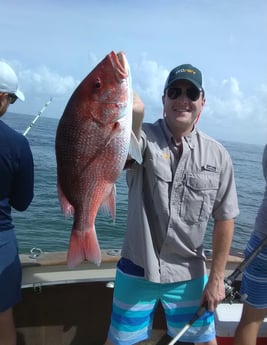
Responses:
[54,44]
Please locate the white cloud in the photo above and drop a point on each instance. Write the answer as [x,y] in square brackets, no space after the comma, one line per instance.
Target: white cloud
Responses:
[150,78]
[45,81]
[231,85]
[227,100]
[148,81]
[232,113]
[39,85]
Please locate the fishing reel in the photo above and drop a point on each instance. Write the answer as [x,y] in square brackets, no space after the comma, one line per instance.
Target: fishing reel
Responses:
[231,293]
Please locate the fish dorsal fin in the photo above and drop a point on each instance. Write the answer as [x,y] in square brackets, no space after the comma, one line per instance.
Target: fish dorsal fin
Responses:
[134,149]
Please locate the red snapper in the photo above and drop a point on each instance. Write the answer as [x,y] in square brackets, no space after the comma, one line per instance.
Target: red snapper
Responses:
[93,140]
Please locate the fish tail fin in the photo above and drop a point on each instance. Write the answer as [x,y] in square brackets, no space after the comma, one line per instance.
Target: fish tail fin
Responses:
[83,246]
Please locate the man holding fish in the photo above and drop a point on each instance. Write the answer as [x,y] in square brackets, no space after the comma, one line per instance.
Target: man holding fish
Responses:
[185,178]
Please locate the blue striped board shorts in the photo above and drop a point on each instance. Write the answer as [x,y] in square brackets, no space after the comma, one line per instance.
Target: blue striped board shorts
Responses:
[134,305]
[254,280]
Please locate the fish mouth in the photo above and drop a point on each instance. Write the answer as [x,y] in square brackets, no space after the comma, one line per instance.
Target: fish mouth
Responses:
[120,64]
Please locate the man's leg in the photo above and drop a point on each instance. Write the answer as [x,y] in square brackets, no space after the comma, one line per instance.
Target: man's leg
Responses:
[7,328]
[248,328]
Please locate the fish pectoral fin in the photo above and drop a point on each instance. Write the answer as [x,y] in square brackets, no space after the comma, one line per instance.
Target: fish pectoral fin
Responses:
[66,207]
[115,132]
[83,246]
[134,149]
[108,205]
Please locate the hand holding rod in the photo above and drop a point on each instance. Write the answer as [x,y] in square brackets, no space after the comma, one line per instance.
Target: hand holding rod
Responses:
[230,293]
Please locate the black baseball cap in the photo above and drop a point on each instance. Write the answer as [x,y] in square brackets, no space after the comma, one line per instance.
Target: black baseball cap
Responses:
[185,72]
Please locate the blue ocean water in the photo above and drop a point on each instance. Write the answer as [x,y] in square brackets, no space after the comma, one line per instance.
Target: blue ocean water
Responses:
[44,226]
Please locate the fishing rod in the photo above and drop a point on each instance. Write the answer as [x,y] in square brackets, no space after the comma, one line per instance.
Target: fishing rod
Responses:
[230,292]
[37,116]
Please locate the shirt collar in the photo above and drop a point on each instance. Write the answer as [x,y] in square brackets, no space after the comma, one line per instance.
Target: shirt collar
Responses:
[190,138]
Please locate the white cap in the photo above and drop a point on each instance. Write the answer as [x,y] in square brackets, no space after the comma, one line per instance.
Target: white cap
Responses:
[9,81]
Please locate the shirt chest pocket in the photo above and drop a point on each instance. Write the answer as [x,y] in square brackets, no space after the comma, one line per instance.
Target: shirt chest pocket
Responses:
[158,167]
[199,194]
[159,178]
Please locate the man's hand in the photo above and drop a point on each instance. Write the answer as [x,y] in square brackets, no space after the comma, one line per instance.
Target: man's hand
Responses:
[214,292]
[138,105]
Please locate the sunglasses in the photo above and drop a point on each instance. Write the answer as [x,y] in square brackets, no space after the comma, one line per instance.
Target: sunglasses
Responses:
[192,93]
[12,98]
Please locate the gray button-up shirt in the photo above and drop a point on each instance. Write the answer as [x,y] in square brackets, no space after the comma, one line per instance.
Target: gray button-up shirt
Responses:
[171,199]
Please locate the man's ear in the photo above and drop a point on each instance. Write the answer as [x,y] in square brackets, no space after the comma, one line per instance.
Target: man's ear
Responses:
[163,104]
[197,118]
[163,99]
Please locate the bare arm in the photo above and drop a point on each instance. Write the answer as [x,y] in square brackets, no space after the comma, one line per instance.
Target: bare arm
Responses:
[214,291]
[137,119]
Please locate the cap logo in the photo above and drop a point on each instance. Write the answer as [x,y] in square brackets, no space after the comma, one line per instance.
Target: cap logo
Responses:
[186,70]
